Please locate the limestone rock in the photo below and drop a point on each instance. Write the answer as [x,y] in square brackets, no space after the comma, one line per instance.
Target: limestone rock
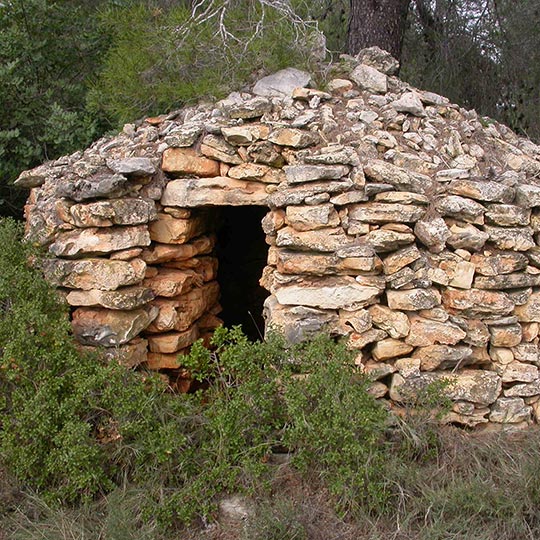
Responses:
[475,302]
[358,341]
[379,59]
[322,240]
[467,236]
[100,184]
[433,233]
[400,178]
[254,172]
[499,263]
[368,78]
[413,299]
[282,83]
[399,259]
[528,195]
[384,240]
[295,138]
[89,274]
[328,293]
[96,241]
[508,215]
[507,281]
[386,213]
[425,332]
[475,386]
[171,282]
[125,298]
[530,311]
[305,218]
[110,328]
[185,161]
[169,230]
[517,239]
[128,211]
[482,190]
[249,108]
[461,208]
[245,135]
[296,174]
[510,411]
[395,323]
[390,348]
[433,357]
[172,342]
[297,323]
[411,103]
[135,166]
[190,193]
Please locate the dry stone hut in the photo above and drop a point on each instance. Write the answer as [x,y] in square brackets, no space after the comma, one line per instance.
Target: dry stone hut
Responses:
[371,210]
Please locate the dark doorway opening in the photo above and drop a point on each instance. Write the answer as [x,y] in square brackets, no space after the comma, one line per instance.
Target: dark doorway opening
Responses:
[242,252]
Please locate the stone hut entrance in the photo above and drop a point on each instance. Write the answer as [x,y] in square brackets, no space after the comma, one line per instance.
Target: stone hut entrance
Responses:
[242,254]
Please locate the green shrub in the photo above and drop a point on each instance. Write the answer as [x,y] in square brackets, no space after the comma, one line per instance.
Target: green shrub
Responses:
[160,58]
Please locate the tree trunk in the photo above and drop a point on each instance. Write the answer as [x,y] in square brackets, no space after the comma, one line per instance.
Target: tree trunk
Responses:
[377,22]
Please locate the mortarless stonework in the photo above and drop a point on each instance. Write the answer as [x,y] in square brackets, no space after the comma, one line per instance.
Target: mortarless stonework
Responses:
[396,219]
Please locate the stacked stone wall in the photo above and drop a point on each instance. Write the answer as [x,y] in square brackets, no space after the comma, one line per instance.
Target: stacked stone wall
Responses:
[396,220]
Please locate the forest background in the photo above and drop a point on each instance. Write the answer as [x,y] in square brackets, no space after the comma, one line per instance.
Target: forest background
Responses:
[73,70]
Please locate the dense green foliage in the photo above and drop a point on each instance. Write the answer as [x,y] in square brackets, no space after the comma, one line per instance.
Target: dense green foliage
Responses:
[73,426]
[48,54]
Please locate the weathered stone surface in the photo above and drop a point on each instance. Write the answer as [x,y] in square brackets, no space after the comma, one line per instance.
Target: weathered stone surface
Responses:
[297,262]
[181,312]
[426,332]
[413,299]
[245,135]
[523,390]
[169,230]
[482,190]
[306,218]
[171,282]
[368,78]
[433,357]
[218,191]
[475,386]
[517,239]
[384,240]
[467,236]
[358,341]
[282,83]
[128,211]
[507,281]
[386,213]
[461,208]
[379,59]
[110,328]
[217,148]
[401,178]
[99,184]
[510,411]
[530,311]
[130,355]
[528,195]
[89,274]
[256,172]
[322,240]
[474,302]
[505,336]
[395,323]
[136,166]
[390,348]
[463,275]
[162,253]
[328,293]
[433,233]
[499,263]
[507,215]
[297,323]
[125,298]
[172,342]
[300,193]
[296,174]
[182,161]
[399,259]
[295,138]
[96,241]
[411,103]
[519,372]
